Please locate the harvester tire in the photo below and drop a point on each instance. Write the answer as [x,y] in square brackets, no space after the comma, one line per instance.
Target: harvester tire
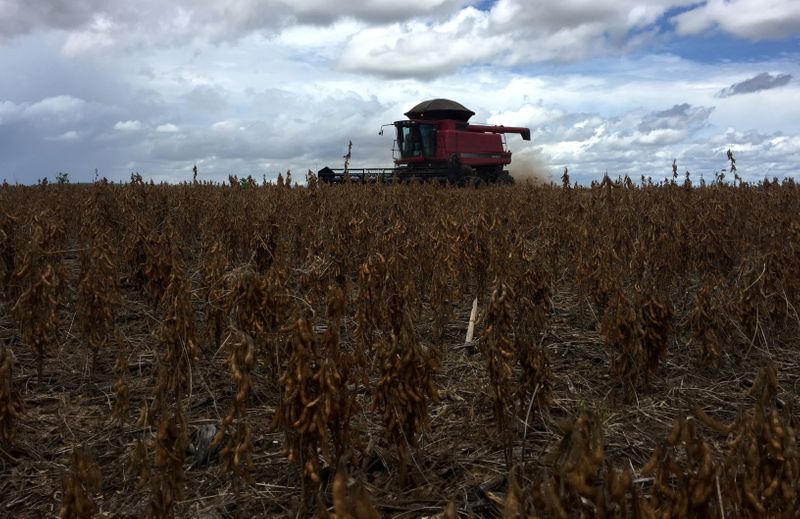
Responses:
[458,175]
[505,178]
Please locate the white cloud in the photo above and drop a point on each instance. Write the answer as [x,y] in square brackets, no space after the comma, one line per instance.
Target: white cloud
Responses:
[128,126]
[527,115]
[511,32]
[61,105]
[752,19]
[70,135]
[166,128]
[8,111]
[418,49]
[98,36]
[320,38]
[86,41]
[60,108]
[661,136]
[226,126]
[439,34]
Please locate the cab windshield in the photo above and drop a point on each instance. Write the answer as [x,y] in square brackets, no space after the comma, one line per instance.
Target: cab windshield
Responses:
[416,140]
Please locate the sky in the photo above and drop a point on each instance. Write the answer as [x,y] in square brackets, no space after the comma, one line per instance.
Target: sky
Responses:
[247,87]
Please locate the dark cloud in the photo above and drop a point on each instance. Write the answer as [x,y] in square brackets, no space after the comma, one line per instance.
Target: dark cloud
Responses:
[324,12]
[290,125]
[680,117]
[763,81]
[154,22]
[23,16]
[162,138]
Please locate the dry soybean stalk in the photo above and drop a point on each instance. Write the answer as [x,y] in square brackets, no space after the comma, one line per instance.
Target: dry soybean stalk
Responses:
[40,279]
[160,262]
[685,474]
[306,408]
[343,375]
[178,340]
[762,463]
[708,323]
[167,477]
[237,451]
[622,332]
[213,269]
[122,403]
[7,252]
[406,384]
[655,316]
[98,294]
[497,347]
[10,401]
[577,479]
[84,479]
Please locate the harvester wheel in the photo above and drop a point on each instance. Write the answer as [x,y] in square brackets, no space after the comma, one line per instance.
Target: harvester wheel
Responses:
[505,178]
[458,175]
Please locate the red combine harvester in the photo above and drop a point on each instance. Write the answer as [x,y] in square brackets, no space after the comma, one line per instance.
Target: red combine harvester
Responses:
[437,143]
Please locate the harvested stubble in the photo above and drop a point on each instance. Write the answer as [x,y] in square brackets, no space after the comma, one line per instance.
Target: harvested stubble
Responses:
[334,286]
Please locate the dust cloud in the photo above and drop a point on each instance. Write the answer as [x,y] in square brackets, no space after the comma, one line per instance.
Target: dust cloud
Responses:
[528,168]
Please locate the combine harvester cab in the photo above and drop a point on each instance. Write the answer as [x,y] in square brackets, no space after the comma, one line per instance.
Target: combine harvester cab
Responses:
[437,143]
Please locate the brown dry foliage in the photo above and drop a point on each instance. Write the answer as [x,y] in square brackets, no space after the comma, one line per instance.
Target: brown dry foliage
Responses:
[79,484]
[11,407]
[337,297]
[38,277]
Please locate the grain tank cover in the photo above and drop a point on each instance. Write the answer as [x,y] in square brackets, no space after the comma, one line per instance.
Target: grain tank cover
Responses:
[434,109]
